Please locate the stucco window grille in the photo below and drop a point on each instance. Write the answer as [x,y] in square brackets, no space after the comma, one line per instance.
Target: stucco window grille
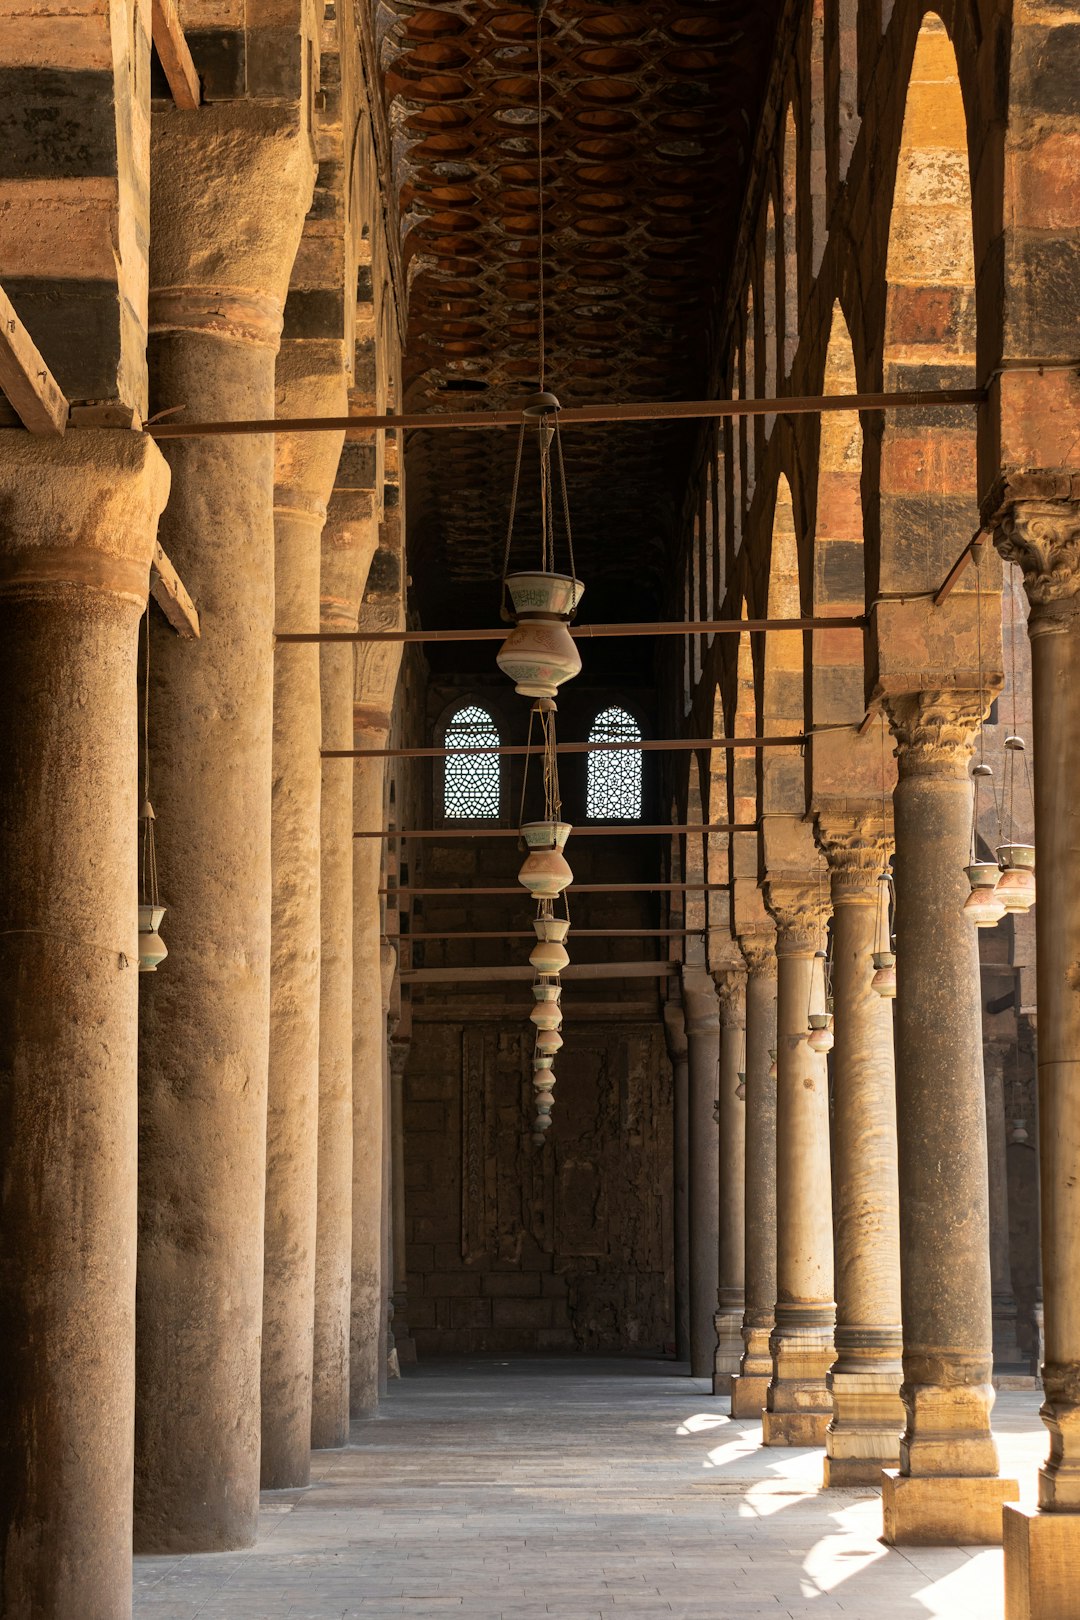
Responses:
[471,782]
[614,779]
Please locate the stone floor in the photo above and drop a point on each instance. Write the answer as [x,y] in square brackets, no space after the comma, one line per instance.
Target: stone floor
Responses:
[580,1490]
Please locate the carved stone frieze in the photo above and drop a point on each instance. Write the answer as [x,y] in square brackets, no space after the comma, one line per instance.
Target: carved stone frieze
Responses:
[1042,537]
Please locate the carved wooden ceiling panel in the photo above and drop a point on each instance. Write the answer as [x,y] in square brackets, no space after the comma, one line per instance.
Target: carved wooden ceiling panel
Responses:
[649,113]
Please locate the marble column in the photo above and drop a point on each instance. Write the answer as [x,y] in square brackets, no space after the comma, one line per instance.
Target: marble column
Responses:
[369,1044]
[675,1033]
[349,540]
[750,1385]
[1042,535]
[863,1436]
[404,1342]
[946,1489]
[731,1301]
[79,520]
[232,184]
[702,1014]
[798,1406]
[310,381]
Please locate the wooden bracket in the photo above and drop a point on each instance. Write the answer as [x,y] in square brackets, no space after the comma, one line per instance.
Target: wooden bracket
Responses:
[30,387]
[173,53]
[167,589]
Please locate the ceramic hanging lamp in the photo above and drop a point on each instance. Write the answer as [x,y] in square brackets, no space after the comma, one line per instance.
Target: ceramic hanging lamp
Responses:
[152,948]
[983,906]
[883,957]
[819,1017]
[549,954]
[1016,885]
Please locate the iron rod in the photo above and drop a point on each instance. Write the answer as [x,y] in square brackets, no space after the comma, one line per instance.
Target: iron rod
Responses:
[581,415]
[575,933]
[646,745]
[478,830]
[588,632]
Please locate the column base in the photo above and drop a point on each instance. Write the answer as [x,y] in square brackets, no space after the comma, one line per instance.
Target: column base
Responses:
[867,1422]
[748,1395]
[943,1510]
[805,1428]
[1042,1556]
[729,1348]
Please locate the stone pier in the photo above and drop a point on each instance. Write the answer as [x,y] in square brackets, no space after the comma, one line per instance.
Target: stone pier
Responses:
[750,1385]
[675,1034]
[702,1014]
[731,1298]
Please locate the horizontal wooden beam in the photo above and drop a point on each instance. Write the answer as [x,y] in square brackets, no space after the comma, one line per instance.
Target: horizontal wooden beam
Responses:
[575,933]
[173,53]
[576,970]
[29,386]
[167,589]
[645,745]
[621,830]
[590,632]
[450,892]
[586,415]
[949,583]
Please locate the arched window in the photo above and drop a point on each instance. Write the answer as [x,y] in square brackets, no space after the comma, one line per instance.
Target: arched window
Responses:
[614,777]
[471,782]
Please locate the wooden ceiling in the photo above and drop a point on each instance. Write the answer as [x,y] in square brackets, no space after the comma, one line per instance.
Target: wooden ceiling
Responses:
[649,114]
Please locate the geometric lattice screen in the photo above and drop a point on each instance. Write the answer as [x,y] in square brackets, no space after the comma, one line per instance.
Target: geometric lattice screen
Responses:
[614,780]
[471,782]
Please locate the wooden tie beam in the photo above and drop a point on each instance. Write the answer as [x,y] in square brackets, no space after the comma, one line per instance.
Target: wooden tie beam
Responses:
[167,589]
[575,933]
[29,386]
[583,415]
[167,33]
[589,632]
[645,745]
[578,888]
[576,970]
[634,830]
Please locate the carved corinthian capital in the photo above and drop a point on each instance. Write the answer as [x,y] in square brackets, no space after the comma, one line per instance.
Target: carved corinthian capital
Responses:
[759,949]
[857,850]
[731,994]
[1043,539]
[935,730]
[800,904]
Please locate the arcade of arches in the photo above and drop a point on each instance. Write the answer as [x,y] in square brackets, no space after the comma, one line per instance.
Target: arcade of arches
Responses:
[271,1214]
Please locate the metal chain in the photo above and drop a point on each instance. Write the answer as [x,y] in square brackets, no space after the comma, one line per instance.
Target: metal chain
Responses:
[507,617]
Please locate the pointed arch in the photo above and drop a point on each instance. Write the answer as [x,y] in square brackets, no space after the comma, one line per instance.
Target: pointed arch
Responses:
[789,265]
[781,771]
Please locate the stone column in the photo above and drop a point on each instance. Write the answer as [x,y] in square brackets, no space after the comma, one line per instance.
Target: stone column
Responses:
[731,1301]
[675,1032]
[867,1416]
[1042,1549]
[749,1386]
[391,1010]
[947,1488]
[703,1062]
[1009,1362]
[349,540]
[404,1342]
[369,1043]
[79,520]
[232,184]
[310,382]
[799,1407]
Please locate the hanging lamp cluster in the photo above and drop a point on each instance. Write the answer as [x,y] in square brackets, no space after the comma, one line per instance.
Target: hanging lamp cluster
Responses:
[152,948]
[1006,884]
[819,1011]
[539,655]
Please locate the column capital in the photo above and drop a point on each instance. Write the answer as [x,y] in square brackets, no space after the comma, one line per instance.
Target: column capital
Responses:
[80,511]
[759,950]
[857,851]
[675,1031]
[799,901]
[700,1006]
[231,189]
[935,730]
[1042,536]
[730,985]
